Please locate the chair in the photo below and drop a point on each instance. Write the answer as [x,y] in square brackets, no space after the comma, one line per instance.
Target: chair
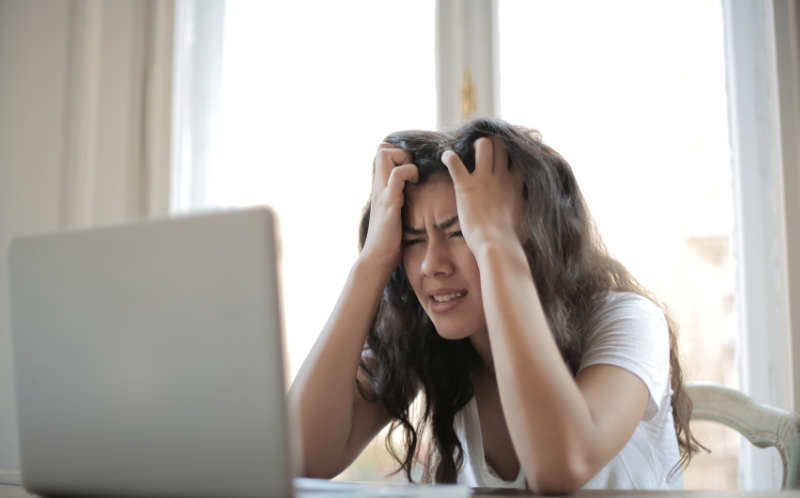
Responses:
[762,425]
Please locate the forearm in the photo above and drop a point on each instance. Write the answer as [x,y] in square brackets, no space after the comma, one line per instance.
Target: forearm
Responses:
[323,391]
[547,417]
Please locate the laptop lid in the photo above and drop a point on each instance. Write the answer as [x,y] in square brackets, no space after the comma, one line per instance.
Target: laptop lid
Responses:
[149,359]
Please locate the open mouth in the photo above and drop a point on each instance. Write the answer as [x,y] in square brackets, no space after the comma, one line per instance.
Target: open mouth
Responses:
[448,297]
[443,300]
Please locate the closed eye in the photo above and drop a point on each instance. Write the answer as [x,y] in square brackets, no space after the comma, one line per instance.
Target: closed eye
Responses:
[457,233]
[411,242]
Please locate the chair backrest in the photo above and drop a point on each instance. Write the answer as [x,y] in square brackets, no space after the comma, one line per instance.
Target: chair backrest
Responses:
[762,425]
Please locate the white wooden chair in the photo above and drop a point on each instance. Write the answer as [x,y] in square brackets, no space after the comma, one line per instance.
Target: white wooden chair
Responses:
[762,425]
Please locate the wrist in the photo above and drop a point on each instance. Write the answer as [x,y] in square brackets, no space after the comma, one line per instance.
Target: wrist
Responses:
[373,268]
[501,249]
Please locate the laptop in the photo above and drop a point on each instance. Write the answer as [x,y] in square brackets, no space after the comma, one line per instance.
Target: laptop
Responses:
[149,359]
[150,362]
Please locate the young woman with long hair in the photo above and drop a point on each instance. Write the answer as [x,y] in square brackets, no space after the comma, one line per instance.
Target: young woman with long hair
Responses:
[483,286]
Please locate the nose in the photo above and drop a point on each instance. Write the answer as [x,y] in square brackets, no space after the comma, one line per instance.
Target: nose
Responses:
[437,260]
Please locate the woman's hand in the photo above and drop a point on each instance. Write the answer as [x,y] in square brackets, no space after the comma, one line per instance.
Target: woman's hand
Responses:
[393,168]
[489,200]
[336,419]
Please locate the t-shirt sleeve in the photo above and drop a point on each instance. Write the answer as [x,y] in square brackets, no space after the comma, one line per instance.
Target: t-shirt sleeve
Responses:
[631,332]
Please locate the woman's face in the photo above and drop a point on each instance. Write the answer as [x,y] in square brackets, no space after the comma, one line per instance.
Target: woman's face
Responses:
[440,267]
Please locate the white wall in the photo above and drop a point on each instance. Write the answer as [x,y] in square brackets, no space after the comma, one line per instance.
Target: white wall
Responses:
[85,93]
[33,41]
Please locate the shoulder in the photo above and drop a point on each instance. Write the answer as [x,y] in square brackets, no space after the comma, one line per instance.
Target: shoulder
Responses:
[628,317]
[626,314]
[627,303]
[631,332]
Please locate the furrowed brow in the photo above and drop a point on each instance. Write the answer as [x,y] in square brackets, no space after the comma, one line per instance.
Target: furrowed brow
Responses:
[447,224]
[439,227]
[413,231]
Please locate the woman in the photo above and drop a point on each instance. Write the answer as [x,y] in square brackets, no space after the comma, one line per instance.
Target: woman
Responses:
[482,283]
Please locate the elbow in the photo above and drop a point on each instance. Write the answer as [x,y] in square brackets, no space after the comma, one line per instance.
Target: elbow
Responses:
[318,474]
[320,470]
[553,487]
[320,464]
[559,477]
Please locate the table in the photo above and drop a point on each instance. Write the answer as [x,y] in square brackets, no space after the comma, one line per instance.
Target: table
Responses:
[9,491]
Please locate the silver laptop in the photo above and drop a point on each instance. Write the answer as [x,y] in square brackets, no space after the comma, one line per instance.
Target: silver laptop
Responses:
[149,359]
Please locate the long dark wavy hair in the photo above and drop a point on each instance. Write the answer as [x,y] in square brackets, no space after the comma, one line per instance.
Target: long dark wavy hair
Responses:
[569,264]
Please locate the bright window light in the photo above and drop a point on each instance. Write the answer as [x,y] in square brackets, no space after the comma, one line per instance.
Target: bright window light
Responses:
[633,95]
[309,90]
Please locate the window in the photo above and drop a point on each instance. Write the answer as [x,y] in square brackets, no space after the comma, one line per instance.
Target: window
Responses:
[307,92]
[641,116]
[631,93]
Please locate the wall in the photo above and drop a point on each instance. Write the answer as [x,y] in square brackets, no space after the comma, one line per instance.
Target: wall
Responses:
[85,93]
[33,38]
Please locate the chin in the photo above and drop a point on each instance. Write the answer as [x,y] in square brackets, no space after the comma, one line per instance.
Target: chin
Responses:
[452,333]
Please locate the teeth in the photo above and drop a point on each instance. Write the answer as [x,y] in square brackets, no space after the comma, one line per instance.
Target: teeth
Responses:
[445,298]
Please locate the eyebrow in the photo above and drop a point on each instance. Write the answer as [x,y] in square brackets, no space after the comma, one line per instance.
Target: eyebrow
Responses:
[441,226]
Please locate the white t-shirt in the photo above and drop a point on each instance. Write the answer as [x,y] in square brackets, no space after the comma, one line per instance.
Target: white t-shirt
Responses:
[629,332]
